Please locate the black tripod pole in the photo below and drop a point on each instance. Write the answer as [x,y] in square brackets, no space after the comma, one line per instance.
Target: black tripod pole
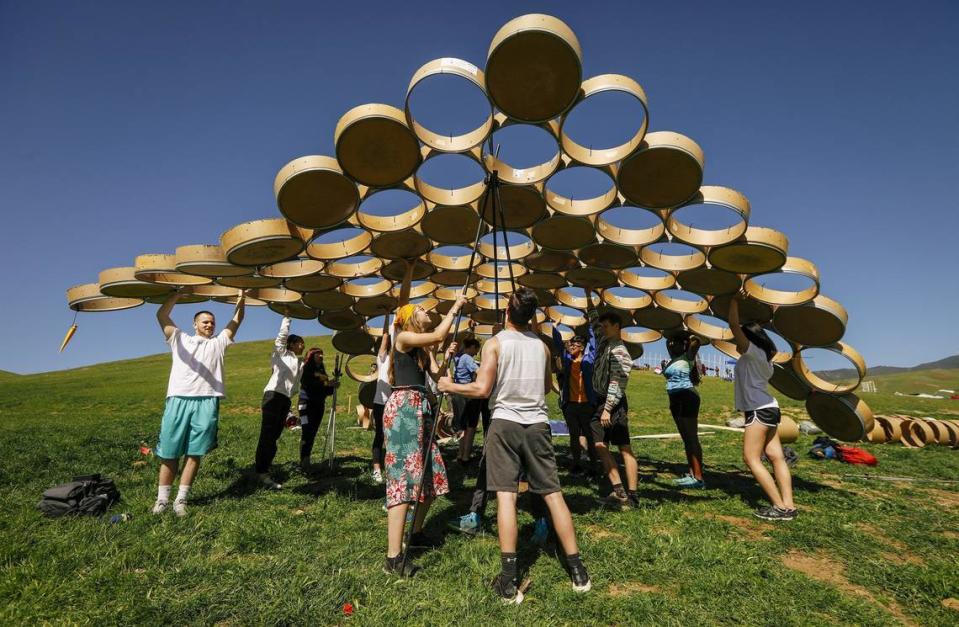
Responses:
[330,443]
[427,461]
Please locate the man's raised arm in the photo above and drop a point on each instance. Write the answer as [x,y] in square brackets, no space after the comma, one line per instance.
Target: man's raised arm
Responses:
[163,314]
[237,315]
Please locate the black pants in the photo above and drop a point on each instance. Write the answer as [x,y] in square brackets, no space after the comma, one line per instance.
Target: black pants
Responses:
[379,454]
[275,408]
[684,406]
[314,418]
[578,417]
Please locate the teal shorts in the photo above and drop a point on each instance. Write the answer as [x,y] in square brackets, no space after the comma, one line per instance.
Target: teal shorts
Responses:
[189,426]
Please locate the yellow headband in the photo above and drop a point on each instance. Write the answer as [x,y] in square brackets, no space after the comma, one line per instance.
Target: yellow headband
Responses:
[404,313]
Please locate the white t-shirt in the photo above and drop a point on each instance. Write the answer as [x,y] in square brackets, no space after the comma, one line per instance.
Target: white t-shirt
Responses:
[287,366]
[197,364]
[752,373]
[519,394]
[383,387]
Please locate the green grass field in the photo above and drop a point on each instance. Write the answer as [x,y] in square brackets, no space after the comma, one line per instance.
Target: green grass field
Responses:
[864,551]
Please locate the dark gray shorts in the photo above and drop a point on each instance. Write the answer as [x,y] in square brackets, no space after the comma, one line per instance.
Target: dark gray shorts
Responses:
[511,448]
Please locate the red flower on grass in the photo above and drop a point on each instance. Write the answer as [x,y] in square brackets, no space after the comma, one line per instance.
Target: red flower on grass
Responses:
[348,609]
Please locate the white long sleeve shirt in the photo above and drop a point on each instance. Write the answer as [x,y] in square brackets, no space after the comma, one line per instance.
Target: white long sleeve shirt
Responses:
[287,366]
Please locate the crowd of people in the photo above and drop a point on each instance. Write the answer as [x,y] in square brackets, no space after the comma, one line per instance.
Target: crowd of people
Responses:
[418,364]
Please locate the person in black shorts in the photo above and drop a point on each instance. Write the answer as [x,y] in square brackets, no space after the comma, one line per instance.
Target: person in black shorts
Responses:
[610,424]
[516,369]
[753,370]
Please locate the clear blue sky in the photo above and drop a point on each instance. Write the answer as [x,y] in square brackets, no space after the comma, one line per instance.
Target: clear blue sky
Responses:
[128,128]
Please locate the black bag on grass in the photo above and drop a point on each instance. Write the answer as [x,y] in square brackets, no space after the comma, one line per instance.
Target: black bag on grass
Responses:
[92,495]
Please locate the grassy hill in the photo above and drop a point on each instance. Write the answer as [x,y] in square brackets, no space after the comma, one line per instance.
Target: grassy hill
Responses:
[863,551]
[946,363]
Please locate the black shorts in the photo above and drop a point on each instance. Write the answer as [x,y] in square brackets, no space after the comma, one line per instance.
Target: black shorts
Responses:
[768,416]
[618,431]
[511,449]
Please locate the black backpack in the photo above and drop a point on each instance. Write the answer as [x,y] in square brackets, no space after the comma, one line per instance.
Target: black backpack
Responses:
[92,495]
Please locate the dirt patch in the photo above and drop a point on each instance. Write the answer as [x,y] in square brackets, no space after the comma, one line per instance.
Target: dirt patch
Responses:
[750,529]
[822,568]
[952,535]
[632,587]
[900,553]
[942,497]
[600,533]
[951,604]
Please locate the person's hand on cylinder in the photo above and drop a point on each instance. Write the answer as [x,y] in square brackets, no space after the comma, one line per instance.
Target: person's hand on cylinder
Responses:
[445,384]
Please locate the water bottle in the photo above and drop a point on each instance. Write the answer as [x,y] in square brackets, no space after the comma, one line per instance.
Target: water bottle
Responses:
[119,518]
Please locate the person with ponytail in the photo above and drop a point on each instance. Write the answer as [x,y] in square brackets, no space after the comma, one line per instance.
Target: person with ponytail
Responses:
[682,376]
[753,370]
[315,387]
[407,424]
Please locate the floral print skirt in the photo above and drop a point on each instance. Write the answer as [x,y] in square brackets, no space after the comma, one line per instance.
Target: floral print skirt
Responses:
[407,423]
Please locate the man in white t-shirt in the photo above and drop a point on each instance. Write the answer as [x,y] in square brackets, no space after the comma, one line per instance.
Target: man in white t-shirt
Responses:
[515,374]
[189,425]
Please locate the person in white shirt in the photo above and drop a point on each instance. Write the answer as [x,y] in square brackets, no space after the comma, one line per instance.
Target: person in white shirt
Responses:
[189,425]
[283,384]
[753,370]
[515,374]
[382,395]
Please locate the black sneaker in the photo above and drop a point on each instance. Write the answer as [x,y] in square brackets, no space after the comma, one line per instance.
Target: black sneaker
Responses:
[580,578]
[505,588]
[775,513]
[395,566]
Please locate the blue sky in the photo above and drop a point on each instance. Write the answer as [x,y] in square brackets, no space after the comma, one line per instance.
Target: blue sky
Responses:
[129,129]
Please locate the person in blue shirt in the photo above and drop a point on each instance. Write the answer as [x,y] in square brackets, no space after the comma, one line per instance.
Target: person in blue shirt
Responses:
[577,398]
[466,411]
[682,376]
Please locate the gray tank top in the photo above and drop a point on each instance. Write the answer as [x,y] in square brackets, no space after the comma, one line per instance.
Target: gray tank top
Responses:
[519,394]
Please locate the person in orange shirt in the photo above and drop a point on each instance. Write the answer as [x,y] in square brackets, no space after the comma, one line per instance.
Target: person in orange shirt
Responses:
[576,396]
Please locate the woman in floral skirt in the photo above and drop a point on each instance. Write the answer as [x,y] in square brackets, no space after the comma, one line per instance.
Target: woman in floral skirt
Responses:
[407,424]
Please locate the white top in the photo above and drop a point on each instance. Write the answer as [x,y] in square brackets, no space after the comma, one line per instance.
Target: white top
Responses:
[287,366]
[383,387]
[753,371]
[197,364]
[519,394]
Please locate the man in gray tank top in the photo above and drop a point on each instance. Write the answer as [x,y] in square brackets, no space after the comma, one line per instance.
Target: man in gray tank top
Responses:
[515,374]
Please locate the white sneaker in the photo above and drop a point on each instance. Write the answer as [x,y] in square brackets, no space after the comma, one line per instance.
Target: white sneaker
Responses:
[377,477]
[269,484]
[160,506]
[179,507]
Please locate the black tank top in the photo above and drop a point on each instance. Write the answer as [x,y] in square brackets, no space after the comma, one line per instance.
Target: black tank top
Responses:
[406,370]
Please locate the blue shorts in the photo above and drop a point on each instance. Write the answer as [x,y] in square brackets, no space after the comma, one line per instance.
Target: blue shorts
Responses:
[189,426]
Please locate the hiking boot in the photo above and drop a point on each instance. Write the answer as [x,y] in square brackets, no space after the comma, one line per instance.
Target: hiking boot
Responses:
[580,578]
[689,481]
[395,566]
[775,513]
[505,588]
[616,501]
[160,506]
[469,524]
[540,532]
[179,508]
[377,477]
